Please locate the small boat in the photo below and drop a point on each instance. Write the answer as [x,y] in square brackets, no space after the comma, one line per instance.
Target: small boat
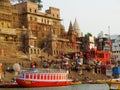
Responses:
[76,82]
[114,84]
[43,78]
[101,81]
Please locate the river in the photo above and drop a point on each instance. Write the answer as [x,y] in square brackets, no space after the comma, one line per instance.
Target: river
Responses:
[71,87]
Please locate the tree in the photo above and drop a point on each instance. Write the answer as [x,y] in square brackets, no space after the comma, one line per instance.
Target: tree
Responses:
[35,1]
[88,35]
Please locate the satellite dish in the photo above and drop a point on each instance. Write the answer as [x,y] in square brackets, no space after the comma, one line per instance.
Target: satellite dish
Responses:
[16,67]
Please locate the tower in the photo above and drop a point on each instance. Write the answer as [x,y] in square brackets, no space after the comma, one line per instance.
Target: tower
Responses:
[77,29]
[31,39]
[30,44]
[71,33]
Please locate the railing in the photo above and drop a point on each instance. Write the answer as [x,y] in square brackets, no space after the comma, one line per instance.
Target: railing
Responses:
[45,70]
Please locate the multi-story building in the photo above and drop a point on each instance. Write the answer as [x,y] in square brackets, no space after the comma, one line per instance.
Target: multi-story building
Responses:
[64,43]
[115,48]
[103,48]
[35,30]
[41,24]
[103,42]
[9,20]
[9,17]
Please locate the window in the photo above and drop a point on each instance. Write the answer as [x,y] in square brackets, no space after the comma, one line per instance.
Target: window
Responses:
[38,51]
[35,10]
[2,24]
[31,18]
[30,9]
[41,77]
[57,16]
[45,21]
[34,51]
[42,20]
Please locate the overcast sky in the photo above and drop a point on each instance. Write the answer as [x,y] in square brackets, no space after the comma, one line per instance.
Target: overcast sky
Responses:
[93,16]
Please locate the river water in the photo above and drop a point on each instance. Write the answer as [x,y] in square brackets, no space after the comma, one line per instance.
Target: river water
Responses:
[71,87]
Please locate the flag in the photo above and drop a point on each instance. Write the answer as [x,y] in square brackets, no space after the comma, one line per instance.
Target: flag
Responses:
[110,42]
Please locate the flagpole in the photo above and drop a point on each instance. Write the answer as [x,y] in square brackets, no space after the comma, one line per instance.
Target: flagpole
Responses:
[109,41]
[109,31]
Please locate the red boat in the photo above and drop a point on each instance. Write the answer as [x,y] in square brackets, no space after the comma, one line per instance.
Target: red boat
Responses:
[43,78]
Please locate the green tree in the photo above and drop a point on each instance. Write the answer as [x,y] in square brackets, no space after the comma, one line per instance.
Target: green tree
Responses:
[88,35]
[35,1]
[86,41]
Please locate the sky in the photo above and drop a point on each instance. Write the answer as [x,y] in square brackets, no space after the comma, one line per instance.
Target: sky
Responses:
[93,16]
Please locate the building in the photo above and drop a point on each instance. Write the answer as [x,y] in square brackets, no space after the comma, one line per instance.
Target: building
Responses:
[64,43]
[41,24]
[115,48]
[35,31]
[9,20]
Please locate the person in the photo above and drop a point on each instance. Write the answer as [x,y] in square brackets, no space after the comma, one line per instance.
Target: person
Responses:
[33,65]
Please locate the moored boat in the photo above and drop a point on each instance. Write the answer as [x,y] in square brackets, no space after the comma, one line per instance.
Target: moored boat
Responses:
[76,83]
[43,78]
[114,84]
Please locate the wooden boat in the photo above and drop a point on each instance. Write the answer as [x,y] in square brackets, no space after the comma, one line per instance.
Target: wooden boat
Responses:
[101,81]
[43,78]
[114,84]
[76,83]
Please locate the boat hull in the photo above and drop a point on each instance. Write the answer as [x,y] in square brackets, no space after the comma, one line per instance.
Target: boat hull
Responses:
[114,85]
[30,83]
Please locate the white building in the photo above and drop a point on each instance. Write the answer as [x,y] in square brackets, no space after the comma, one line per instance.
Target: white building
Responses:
[92,42]
[115,47]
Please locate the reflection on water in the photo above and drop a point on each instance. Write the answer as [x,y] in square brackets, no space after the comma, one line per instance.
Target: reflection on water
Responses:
[72,87]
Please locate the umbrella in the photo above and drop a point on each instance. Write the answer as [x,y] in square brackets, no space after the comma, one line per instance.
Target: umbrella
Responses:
[16,67]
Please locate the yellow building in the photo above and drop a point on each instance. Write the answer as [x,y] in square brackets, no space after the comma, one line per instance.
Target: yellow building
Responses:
[38,22]
[37,31]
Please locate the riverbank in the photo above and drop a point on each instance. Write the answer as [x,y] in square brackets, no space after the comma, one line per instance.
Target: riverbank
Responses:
[8,74]
[76,71]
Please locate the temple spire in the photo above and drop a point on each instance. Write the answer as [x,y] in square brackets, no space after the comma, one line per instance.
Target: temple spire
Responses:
[70,30]
[77,28]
